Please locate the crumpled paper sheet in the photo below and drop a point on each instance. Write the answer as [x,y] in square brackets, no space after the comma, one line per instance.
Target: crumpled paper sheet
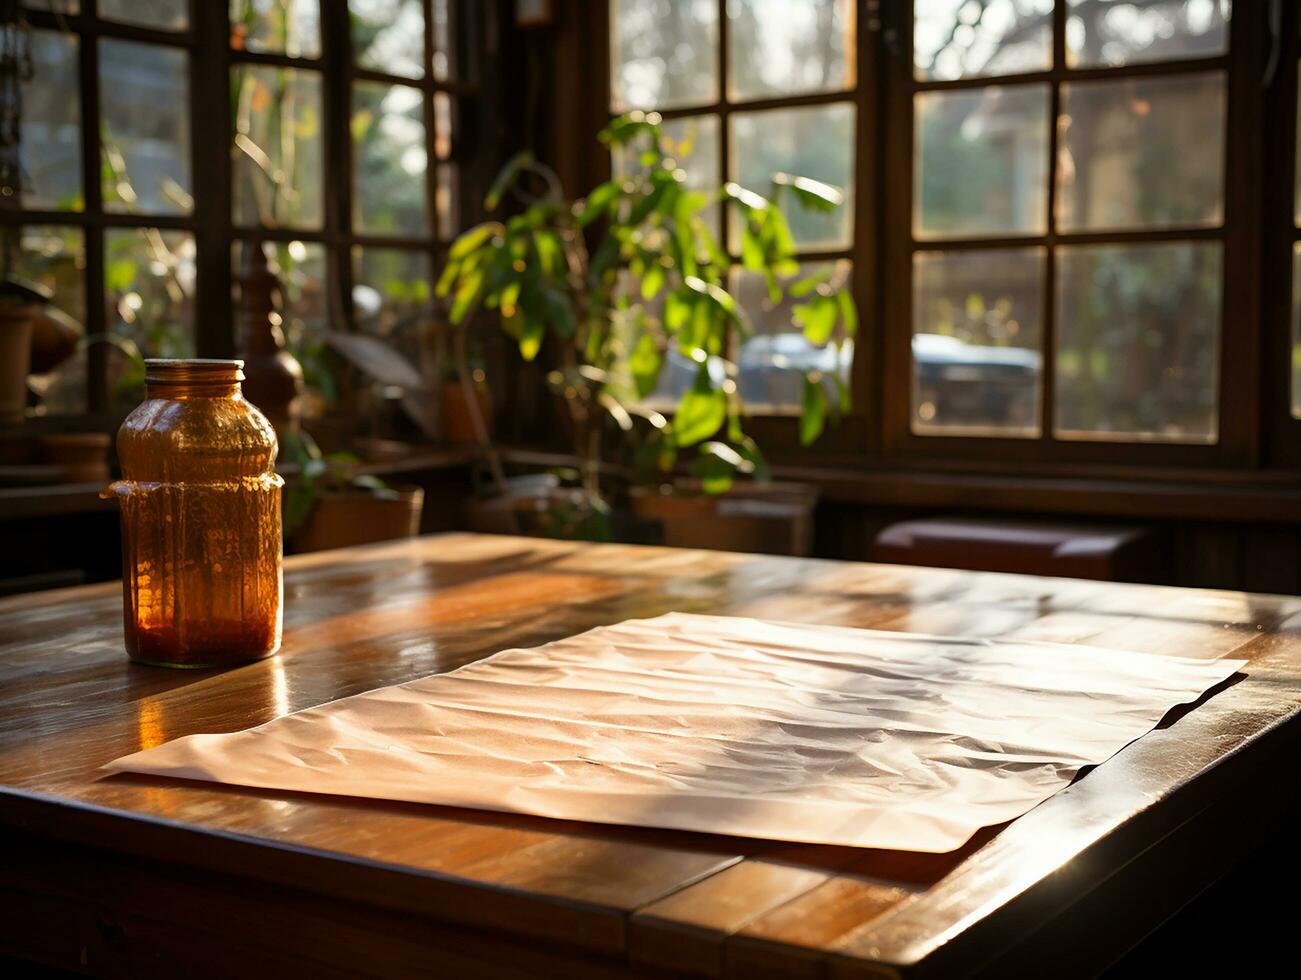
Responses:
[725,725]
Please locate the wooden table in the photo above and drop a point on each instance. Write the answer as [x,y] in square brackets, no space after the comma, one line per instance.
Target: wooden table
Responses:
[136,876]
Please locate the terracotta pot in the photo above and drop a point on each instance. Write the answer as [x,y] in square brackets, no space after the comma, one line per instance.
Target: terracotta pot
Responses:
[524,508]
[343,518]
[458,426]
[82,457]
[15,355]
[772,518]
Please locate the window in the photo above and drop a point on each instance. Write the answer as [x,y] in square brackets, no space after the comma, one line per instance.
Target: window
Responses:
[1041,208]
[1066,226]
[103,210]
[154,155]
[747,89]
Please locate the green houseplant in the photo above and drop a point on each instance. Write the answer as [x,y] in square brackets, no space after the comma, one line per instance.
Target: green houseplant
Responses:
[620,277]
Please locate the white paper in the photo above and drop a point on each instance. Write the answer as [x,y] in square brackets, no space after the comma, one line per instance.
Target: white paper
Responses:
[725,725]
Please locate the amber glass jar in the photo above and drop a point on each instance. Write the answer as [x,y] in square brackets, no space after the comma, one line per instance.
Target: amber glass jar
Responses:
[200,501]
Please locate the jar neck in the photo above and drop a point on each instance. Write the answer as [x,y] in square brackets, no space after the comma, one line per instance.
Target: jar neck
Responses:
[193,378]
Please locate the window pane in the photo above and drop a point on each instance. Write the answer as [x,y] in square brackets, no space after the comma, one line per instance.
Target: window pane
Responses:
[389,36]
[51,147]
[444,65]
[961,39]
[1138,340]
[448,200]
[291,27]
[389,158]
[1141,153]
[977,340]
[53,256]
[166,15]
[788,47]
[391,292]
[981,162]
[1296,331]
[815,142]
[1121,32]
[149,289]
[278,149]
[144,92]
[663,53]
[774,359]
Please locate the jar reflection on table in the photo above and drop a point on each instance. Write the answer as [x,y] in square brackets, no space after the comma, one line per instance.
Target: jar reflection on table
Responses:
[201,535]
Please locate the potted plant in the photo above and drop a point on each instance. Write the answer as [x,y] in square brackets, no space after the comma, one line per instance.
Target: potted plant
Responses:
[328,504]
[654,279]
[19,306]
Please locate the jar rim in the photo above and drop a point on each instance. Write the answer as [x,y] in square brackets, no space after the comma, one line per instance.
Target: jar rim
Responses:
[196,372]
[200,362]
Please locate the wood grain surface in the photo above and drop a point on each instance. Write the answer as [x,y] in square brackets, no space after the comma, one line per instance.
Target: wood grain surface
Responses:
[116,874]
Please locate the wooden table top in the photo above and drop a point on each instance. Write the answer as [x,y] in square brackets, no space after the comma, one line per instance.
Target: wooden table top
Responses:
[113,874]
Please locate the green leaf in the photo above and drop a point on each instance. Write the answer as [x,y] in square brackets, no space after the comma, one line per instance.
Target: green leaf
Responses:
[597,202]
[812,195]
[695,335]
[645,364]
[817,317]
[783,244]
[652,282]
[627,127]
[532,333]
[509,298]
[616,410]
[848,311]
[714,474]
[505,177]
[749,451]
[119,275]
[728,455]
[809,283]
[813,414]
[470,240]
[677,309]
[467,296]
[596,335]
[721,297]
[745,197]
[844,398]
[549,251]
[751,250]
[701,412]
[650,202]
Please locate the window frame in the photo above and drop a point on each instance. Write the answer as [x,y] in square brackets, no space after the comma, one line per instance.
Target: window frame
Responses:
[1239,405]
[211,59]
[878,429]
[1283,235]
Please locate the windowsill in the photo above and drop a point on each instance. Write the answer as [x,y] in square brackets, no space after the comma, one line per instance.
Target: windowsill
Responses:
[1229,496]
[1232,496]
